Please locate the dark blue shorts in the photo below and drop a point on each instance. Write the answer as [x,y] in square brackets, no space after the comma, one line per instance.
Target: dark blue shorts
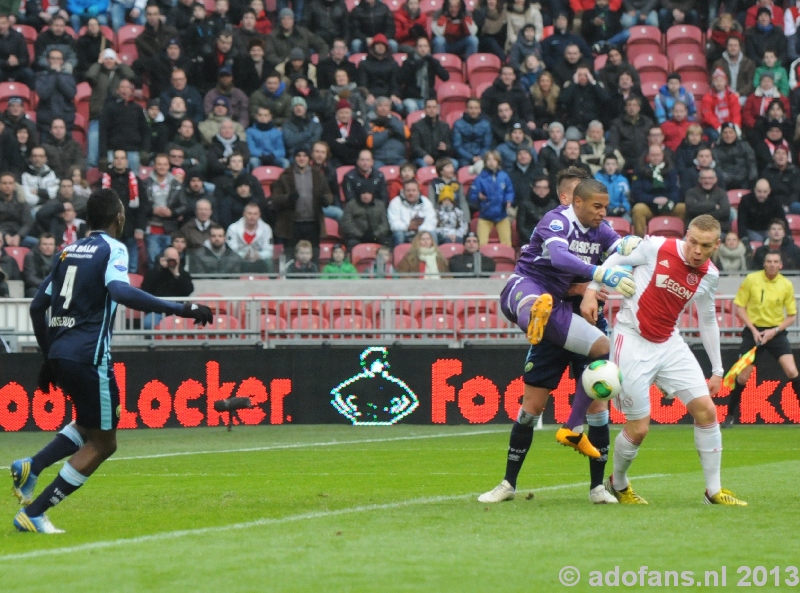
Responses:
[93,390]
[546,362]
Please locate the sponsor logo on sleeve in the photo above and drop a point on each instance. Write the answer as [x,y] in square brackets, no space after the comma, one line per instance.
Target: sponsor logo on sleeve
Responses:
[121,265]
[556,226]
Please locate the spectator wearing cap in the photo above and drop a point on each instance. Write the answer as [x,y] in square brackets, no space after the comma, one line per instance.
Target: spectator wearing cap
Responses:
[122,12]
[431,139]
[251,239]
[56,89]
[735,159]
[266,142]
[379,73]
[784,179]
[553,47]
[737,67]
[669,94]
[299,195]
[365,220]
[345,136]
[14,57]
[180,87]
[418,76]
[758,104]
[221,112]
[336,60]
[454,31]
[123,126]
[344,87]
[471,262]
[297,64]
[156,34]
[62,151]
[16,118]
[250,70]
[719,105]
[582,100]
[300,130]
[104,77]
[339,267]
[763,36]
[451,223]
[317,105]
[516,140]
[273,94]
[288,35]
[387,135]
[56,37]
[158,68]
[369,19]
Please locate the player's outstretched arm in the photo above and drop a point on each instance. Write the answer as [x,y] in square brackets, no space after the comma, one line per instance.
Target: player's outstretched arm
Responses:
[38,312]
[131,297]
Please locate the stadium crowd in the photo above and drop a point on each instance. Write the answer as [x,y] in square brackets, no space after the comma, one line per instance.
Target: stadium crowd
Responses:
[235,131]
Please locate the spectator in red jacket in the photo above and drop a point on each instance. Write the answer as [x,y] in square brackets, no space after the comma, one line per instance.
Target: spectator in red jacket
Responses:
[719,105]
[758,103]
[775,11]
[454,30]
[409,25]
[675,128]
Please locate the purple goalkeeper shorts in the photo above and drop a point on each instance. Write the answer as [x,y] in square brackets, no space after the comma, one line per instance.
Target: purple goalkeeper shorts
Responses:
[516,300]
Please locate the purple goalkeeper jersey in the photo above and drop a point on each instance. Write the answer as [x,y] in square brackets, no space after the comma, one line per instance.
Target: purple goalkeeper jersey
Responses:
[561,249]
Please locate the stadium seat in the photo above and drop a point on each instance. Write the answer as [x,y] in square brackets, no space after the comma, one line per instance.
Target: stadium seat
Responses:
[400,57]
[400,252]
[363,255]
[482,68]
[619,224]
[405,321]
[176,324]
[644,36]
[687,63]
[451,249]
[684,39]
[479,321]
[108,33]
[428,6]
[472,302]
[442,322]
[128,54]
[650,88]
[547,31]
[656,79]
[309,321]
[30,34]
[478,89]
[325,250]
[93,176]
[15,89]
[83,95]
[453,96]
[452,117]
[127,35]
[346,306]
[414,117]
[698,88]
[144,172]
[135,280]
[218,323]
[425,175]
[271,323]
[735,196]
[18,254]
[214,300]
[390,172]
[302,304]
[394,5]
[351,322]
[453,64]
[465,178]
[600,61]
[666,226]
[505,257]
[332,230]
[538,145]
[356,59]
[794,225]
[651,63]
[266,175]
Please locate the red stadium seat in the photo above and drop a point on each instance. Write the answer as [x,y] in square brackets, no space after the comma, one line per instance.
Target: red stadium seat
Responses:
[83,95]
[698,88]
[266,175]
[651,63]
[332,229]
[135,280]
[427,6]
[794,225]
[302,304]
[391,172]
[18,255]
[425,175]
[80,131]
[465,178]
[473,302]
[400,252]
[654,79]
[144,172]
[452,117]
[394,5]
[93,176]
[479,321]
[414,117]
[479,88]
[30,34]
[453,96]
[172,323]
[685,63]
[600,61]
[442,322]
[351,322]
[356,59]
[15,89]
[363,255]
[309,321]
[405,321]
[128,54]
[453,64]
[221,322]
[482,68]
[347,306]
[683,39]
[666,226]
[547,31]
[216,301]
[127,35]
[650,88]
[505,257]
[644,35]
[451,249]
[400,58]
[325,250]
[620,225]
[271,323]
[735,196]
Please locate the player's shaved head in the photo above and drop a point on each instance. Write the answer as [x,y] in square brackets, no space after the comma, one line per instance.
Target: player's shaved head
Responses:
[103,209]
[587,188]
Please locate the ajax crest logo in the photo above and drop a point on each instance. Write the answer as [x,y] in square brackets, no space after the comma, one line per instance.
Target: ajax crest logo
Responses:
[374,397]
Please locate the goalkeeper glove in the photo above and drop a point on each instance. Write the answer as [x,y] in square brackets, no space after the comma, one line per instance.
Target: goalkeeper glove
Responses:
[628,244]
[200,313]
[617,278]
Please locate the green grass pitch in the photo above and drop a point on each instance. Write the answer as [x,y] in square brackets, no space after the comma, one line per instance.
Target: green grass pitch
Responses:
[332,508]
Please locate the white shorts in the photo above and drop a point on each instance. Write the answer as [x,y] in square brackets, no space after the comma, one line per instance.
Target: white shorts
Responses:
[671,365]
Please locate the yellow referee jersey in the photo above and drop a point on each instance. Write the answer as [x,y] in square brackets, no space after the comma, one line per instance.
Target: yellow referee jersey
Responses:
[765,299]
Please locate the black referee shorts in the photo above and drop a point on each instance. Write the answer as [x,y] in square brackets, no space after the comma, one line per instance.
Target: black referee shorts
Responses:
[777,346]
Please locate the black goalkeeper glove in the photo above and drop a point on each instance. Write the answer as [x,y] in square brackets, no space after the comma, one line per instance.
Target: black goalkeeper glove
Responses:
[200,313]
[47,377]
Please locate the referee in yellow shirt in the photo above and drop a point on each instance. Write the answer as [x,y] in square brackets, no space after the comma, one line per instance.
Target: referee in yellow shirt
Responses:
[765,305]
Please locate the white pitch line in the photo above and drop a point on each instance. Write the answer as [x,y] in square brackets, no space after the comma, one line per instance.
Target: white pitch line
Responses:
[303,445]
[169,535]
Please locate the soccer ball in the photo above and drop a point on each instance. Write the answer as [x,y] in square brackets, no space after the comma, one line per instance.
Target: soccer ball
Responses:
[602,380]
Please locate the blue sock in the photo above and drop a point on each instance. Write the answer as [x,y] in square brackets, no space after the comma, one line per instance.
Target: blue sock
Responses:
[65,443]
[67,481]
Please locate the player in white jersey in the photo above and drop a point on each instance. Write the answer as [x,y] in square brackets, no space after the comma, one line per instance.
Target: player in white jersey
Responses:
[669,275]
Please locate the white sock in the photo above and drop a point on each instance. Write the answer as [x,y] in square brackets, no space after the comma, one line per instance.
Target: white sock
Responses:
[625,452]
[708,442]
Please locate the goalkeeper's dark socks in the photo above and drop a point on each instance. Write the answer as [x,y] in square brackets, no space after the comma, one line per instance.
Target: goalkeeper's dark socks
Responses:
[65,443]
[599,436]
[67,481]
[734,399]
[518,446]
